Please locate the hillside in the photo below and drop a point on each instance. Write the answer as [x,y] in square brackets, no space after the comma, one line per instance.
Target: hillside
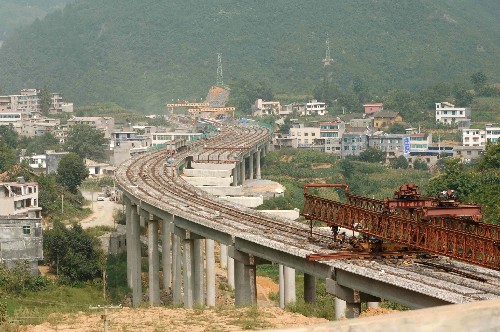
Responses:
[15,13]
[142,54]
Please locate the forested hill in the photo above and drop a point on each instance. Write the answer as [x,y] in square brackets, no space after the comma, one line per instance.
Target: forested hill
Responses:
[144,53]
[17,13]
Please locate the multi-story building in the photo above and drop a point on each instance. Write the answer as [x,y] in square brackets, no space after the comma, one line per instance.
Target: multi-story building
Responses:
[384,119]
[10,118]
[449,114]
[353,143]
[391,144]
[20,224]
[468,153]
[419,142]
[38,127]
[373,108]
[492,133]
[261,108]
[479,137]
[305,135]
[330,135]
[473,137]
[315,107]
[19,199]
[104,123]
[38,163]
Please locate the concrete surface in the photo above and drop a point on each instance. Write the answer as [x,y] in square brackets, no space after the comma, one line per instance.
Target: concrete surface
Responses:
[475,316]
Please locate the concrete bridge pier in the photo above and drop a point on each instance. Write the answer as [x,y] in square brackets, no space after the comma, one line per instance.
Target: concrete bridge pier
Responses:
[153,262]
[210,271]
[230,272]
[257,170]
[287,286]
[245,289]
[176,268]
[250,165]
[166,243]
[187,265]
[134,253]
[223,255]
[235,175]
[198,271]
[309,289]
[349,299]
[242,171]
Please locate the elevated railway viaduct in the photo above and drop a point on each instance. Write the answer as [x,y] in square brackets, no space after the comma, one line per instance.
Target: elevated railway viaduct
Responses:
[191,220]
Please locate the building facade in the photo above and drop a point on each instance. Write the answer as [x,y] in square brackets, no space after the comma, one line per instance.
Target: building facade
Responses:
[449,114]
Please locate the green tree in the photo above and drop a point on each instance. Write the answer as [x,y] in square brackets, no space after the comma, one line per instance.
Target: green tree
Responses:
[87,142]
[45,100]
[73,253]
[372,155]
[491,157]
[478,80]
[9,136]
[7,156]
[463,98]
[399,163]
[40,144]
[244,93]
[420,165]
[49,194]
[397,128]
[71,172]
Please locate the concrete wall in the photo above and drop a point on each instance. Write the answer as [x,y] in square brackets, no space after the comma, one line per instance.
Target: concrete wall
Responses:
[53,159]
[21,239]
[474,316]
[287,214]
[223,191]
[250,202]
[208,181]
[212,166]
[207,172]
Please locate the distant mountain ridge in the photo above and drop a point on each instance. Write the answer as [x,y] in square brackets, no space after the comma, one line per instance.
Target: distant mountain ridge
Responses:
[142,54]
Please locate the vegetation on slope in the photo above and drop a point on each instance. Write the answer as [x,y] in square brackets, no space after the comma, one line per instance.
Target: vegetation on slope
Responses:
[142,54]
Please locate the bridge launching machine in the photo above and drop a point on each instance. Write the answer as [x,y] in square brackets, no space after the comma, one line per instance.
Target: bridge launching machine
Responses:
[436,225]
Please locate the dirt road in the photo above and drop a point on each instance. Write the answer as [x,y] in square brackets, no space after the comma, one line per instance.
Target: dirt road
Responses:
[102,211]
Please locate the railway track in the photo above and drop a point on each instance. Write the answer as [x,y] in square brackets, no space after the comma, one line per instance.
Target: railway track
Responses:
[144,177]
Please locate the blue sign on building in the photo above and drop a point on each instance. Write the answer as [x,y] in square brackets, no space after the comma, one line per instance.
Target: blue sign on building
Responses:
[406,143]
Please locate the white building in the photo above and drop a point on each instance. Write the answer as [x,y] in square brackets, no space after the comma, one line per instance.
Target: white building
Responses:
[305,135]
[261,108]
[10,118]
[449,114]
[315,107]
[19,199]
[479,137]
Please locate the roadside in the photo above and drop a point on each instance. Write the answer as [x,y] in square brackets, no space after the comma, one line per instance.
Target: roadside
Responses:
[102,211]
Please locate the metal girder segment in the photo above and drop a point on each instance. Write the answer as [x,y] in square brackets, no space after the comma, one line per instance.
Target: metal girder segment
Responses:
[273,255]
[386,291]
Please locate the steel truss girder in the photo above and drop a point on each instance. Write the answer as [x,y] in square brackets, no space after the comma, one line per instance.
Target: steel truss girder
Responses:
[435,238]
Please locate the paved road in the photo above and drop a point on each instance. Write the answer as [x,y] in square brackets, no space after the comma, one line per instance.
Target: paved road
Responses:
[102,211]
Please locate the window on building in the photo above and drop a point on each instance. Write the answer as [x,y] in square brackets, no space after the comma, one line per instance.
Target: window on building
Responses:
[469,153]
[26,230]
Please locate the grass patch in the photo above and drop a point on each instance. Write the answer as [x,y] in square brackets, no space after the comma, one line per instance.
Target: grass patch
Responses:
[250,319]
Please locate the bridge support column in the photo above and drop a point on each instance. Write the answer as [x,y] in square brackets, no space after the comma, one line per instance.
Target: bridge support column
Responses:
[166,239]
[134,254]
[230,272]
[281,286]
[245,279]
[309,289]
[198,272]
[210,272]
[289,285]
[257,171]
[235,175]
[176,270]
[351,297]
[223,255]
[153,261]
[243,171]
[187,267]
[250,165]
[340,308]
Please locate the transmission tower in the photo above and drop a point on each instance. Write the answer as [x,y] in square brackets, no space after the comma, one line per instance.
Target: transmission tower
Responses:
[220,79]
[327,60]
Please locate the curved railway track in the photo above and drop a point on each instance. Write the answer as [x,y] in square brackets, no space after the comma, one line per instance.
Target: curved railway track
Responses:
[144,178]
